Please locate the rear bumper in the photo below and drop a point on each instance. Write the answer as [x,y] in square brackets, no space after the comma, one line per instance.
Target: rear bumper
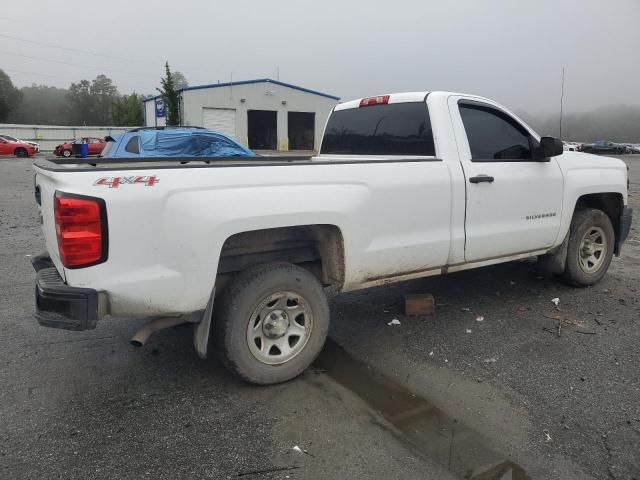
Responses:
[624,228]
[60,306]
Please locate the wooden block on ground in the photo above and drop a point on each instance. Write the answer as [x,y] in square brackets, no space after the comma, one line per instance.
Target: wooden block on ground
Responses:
[419,304]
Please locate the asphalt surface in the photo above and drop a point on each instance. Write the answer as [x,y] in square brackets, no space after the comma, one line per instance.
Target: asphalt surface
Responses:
[444,396]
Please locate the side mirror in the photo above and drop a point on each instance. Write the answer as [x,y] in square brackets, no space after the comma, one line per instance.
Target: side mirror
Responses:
[549,147]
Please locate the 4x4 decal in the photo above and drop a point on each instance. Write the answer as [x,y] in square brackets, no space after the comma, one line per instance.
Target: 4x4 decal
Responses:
[115,182]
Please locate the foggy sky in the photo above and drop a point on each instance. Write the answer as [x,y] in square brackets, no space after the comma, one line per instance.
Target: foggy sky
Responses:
[509,50]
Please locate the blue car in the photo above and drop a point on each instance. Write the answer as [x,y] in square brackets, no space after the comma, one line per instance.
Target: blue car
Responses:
[173,142]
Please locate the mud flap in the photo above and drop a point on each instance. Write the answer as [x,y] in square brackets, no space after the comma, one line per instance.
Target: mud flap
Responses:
[556,261]
[201,332]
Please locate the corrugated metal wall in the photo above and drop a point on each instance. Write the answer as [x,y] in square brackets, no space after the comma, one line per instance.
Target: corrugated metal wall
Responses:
[49,136]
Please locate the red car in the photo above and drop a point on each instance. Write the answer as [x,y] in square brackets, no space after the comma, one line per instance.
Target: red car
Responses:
[19,149]
[95,146]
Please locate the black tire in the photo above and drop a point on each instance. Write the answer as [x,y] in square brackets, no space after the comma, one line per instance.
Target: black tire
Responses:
[237,306]
[21,153]
[583,221]
[66,153]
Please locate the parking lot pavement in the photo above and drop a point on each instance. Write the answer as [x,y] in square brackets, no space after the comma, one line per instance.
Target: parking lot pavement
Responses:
[444,396]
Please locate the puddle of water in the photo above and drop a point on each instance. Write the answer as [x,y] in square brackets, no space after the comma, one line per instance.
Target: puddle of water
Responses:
[460,449]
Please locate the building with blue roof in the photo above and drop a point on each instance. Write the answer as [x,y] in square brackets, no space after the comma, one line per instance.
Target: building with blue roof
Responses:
[262,114]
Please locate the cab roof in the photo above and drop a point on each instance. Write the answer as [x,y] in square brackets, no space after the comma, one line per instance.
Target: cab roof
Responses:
[403,97]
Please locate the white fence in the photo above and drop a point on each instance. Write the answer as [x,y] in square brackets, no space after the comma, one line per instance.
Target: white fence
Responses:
[48,136]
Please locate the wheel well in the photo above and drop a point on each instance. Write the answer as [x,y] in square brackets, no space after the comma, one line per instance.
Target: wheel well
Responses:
[318,248]
[610,203]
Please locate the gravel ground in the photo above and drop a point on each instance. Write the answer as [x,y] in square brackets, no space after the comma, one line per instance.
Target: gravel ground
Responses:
[420,400]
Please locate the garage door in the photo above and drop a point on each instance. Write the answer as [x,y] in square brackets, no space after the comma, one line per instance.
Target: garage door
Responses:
[220,119]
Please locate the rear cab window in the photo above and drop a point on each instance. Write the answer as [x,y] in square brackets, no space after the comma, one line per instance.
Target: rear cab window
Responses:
[387,129]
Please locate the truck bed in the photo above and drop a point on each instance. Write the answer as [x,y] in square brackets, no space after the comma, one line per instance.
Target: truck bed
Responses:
[61,164]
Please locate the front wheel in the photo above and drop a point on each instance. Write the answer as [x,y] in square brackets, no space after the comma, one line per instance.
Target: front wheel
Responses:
[66,153]
[21,153]
[590,248]
[270,323]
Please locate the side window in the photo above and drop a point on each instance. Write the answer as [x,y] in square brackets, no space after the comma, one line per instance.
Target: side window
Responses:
[133,145]
[494,136]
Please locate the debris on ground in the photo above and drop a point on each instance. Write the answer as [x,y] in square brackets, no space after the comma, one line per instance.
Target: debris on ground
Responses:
[490,360]
[547,436]
[296,448]
[431,353]
[555,301]
[395,321]
[465,309]
[390,307]
[468,330]
[522,309]
[479,318]
[416,304]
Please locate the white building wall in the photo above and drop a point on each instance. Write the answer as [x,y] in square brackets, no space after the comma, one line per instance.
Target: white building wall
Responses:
[254,96]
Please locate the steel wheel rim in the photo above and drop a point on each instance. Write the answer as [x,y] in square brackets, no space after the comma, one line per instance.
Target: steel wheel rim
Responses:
[593,250]
[279,327]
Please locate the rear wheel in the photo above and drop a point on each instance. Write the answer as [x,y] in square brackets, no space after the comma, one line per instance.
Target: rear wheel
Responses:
[21,153]
[590,248]
[270,323]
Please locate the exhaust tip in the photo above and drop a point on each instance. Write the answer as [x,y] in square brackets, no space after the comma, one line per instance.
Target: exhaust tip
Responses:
[136,343]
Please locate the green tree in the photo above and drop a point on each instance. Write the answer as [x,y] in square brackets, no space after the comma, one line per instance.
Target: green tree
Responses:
[169,94]
[90,103]
[10,96]
[127,111]
[179,80]
[104,92]
[80,104]
[41,105]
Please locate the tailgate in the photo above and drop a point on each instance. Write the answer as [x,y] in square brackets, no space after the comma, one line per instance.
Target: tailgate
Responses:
[46,184]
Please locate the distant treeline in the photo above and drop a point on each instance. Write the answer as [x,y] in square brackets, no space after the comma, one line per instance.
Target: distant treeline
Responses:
[617,123]
[95,103]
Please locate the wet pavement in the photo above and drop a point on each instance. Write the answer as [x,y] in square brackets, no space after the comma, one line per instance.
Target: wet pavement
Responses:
[438,397]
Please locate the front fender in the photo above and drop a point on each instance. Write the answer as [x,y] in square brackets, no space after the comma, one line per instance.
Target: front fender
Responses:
[604,176]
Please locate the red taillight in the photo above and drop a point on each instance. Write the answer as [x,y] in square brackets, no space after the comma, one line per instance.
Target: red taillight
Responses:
[379,100]
[81,229]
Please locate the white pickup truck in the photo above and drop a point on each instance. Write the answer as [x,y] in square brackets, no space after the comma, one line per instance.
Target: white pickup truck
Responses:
[405,185]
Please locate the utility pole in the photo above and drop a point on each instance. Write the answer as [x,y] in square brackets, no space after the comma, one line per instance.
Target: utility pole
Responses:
[561,101]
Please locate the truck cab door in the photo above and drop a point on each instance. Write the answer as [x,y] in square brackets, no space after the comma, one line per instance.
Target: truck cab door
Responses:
[514,199]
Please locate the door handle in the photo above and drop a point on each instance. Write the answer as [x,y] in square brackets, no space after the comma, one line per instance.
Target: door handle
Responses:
[481,179]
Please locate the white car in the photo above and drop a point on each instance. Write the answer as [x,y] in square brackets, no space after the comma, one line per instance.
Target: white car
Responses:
[406,185]
[14,139]
[572,146]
